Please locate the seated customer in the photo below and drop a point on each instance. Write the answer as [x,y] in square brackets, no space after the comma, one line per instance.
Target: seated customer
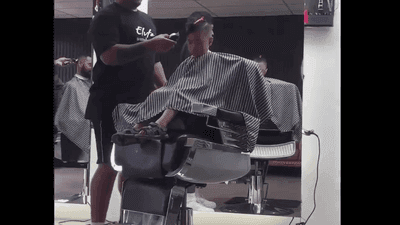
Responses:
[200,38]
[285,100]
[70,116]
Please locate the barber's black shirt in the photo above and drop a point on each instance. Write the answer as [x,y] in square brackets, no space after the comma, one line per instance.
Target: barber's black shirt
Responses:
[128,83]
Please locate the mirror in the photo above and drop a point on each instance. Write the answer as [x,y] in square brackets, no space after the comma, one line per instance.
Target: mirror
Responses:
[72,133]
[273,30]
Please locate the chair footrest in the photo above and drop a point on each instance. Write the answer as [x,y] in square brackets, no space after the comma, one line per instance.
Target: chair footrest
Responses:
[206,162]
[276,151]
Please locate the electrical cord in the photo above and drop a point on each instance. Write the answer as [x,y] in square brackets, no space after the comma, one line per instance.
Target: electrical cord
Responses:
[291,220]
[308,133]
[316,180]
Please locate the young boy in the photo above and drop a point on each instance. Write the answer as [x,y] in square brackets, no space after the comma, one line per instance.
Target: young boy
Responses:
[200,38]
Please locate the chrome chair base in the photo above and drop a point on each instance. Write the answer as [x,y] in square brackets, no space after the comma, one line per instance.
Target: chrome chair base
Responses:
[263,209]
[130,217]
[140,218]
[186,217]
[256,203]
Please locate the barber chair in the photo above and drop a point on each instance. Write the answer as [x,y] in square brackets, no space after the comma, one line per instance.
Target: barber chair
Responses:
[271,145]
[158,172]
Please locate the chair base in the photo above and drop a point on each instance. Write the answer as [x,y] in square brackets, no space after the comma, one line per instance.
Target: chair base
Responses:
[264,209]
[277,202]
[186,217]
[139,218]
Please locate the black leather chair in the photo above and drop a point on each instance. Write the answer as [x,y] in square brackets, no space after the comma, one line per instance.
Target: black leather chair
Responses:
[158,172]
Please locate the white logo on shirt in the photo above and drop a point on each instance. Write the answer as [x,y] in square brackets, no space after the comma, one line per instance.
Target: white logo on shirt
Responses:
[141,31]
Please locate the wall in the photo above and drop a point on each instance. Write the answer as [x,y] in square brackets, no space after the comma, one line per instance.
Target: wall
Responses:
[321,112]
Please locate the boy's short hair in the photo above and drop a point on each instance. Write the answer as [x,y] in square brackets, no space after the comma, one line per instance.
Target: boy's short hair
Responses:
[261,59]
[197,20]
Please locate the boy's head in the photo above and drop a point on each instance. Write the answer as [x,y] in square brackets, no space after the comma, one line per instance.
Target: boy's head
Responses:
[199,29]
[262,63]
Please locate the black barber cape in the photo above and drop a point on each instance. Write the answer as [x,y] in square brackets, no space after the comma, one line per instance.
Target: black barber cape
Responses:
[217,79]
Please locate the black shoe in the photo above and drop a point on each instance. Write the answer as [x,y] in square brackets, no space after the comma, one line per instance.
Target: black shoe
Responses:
[153,131]
[126,137]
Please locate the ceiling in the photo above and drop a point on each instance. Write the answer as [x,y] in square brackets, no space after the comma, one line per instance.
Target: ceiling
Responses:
[73,8]
[224,8]
[183,8]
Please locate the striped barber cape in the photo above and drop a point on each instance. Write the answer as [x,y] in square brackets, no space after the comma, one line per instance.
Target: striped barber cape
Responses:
[70,116]
[218,79]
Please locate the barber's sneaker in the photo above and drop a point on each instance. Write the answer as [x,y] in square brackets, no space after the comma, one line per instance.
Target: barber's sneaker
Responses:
[196,206]
[206,203]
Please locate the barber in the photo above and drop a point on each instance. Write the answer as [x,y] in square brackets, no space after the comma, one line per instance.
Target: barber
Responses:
[125,42]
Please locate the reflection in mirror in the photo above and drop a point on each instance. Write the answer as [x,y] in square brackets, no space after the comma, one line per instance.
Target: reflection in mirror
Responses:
[268,32]
[72,73]
[272,34]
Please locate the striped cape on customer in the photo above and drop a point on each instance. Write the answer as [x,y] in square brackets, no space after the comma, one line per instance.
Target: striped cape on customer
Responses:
[70,115]
[217,79]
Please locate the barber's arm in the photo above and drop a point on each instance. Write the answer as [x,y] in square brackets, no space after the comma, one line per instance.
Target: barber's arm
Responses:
[105,36]
[159,74]
[62,61]
[120,54]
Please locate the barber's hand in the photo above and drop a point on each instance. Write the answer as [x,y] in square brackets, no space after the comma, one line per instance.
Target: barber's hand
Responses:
[62,61]
[160,43]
